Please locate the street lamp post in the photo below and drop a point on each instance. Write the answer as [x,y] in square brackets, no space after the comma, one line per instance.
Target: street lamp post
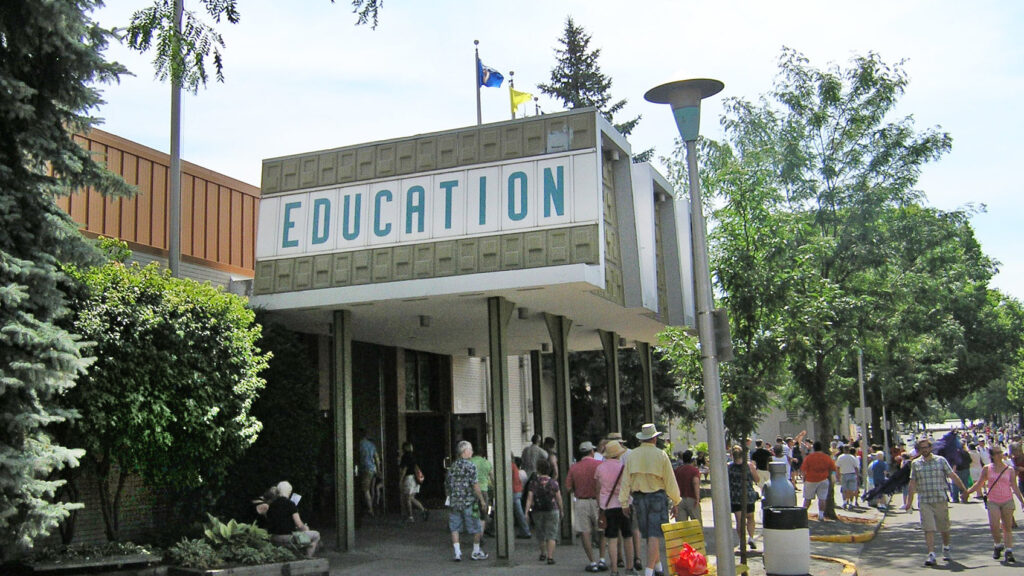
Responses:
[684,97]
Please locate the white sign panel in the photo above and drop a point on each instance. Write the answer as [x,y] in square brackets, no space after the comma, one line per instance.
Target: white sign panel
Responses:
[554,191]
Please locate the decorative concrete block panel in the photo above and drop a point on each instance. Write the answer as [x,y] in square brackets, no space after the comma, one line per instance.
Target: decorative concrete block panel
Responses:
[382,258]
[341,269]
[270,181]
[584,245]
[386,160]
[533,139]
[303,273]
[469,147]
[490,145]
[283,276]
[467,256]
[406,157]
[512,257]
[535,249]
[490,254]
[559,247]
[402,260]
[322,271]
[362,272]
[426,154]
[557,131]
[445,258]
[308,171]
[327,168]
[583,131]
[366,167]
[347,166]
[423,261]
[511,141]
[290,174]
[447,150]
[263,283]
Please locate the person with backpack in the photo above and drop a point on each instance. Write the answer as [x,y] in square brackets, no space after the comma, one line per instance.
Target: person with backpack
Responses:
[544,507]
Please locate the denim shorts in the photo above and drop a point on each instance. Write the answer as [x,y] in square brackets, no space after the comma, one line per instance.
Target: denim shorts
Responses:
[463,520]
[650,511]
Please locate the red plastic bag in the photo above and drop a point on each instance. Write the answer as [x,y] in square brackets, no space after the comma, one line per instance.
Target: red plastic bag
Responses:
[689,562]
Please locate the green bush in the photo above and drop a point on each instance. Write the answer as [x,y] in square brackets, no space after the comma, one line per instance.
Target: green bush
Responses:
[229,543]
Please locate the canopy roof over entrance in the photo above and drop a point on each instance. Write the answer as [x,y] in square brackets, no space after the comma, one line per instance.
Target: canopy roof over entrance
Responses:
[414,235]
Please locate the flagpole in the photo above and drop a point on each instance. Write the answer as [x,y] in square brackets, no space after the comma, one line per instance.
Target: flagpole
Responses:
[476,75]
[511,90]
[536,106]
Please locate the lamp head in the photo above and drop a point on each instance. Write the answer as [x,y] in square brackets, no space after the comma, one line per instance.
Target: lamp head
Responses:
[684,97]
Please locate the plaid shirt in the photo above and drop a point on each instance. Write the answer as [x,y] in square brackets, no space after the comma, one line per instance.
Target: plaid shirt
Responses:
[930,476]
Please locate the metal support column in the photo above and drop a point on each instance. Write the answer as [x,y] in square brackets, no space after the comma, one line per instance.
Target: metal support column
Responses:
[610,343]
[536,369]
[499,311]
[558,328]
[646,380]
[344,458]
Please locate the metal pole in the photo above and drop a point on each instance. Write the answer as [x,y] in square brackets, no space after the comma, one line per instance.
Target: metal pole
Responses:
[863,420]
[174,208]
[709,364]
[885,428]
[476,75]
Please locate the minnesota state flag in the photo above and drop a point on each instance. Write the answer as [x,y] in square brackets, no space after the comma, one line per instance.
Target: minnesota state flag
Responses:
[488,76]
[518,98]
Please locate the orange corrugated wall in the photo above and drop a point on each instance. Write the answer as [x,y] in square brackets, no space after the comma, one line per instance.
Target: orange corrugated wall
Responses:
[218,213]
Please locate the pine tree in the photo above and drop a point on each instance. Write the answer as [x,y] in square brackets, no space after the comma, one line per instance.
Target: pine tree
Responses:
[577,80]
[50,58]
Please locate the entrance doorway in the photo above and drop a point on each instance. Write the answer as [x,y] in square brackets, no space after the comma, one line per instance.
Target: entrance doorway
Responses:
[422,429]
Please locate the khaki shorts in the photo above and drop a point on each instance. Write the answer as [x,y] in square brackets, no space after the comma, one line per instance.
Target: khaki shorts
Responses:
[817,490]
[688,509]
[934,516]
[585,515]
[1002,507]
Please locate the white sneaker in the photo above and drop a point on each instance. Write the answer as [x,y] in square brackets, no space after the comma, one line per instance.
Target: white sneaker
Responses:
[479,555]
[946,555]
[931,559]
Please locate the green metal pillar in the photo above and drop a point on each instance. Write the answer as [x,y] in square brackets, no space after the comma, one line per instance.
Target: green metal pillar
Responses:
[536,369]
[558,328]
[646,380]
[499,312]
[344,458]
[610,343]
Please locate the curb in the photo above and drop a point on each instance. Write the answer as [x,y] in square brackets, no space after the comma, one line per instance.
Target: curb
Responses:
[849,568]
[859,538]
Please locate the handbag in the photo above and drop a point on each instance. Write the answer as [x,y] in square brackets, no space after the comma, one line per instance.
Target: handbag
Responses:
[602,520]
[419,475]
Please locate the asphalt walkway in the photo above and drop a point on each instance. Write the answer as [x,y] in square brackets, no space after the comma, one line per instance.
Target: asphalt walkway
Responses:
[900,547]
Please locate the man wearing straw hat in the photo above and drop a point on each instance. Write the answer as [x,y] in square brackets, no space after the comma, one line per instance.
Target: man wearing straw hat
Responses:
[651,482]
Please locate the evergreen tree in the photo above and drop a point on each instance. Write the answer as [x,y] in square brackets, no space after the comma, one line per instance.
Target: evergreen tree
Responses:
[578,82]
[50,60]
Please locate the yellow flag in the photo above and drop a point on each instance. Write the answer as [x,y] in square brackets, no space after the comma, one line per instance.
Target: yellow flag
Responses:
[518,98]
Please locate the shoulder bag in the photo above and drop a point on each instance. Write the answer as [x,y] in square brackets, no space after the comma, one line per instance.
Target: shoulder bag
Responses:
[984,497]
[602,520]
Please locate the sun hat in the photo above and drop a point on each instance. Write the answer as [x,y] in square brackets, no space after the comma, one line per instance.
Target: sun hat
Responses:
[586,446]
[647,432]
[614,436]
[613,449]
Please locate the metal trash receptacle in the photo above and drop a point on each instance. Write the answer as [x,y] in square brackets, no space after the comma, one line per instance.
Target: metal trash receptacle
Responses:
[787,541]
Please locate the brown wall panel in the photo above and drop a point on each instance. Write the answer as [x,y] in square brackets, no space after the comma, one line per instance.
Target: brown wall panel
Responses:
[219,213]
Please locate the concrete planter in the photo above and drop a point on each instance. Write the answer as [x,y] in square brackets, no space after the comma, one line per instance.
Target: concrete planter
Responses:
[311,566]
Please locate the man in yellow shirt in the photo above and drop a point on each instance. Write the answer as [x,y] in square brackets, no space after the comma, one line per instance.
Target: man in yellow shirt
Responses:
[649,479]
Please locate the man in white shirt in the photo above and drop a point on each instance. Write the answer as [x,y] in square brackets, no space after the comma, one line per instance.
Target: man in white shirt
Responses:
[848,467]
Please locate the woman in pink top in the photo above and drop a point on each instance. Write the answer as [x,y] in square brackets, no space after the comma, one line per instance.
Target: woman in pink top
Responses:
[999,481]
[609,477]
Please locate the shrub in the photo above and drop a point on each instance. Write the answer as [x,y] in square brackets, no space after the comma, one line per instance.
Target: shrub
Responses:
[227,543]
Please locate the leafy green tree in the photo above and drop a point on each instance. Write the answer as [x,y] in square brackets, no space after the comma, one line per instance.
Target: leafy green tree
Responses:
[50,63]
[288,447]
[578,82]
[170,395]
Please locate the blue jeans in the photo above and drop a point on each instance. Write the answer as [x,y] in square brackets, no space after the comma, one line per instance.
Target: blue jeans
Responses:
[517,510]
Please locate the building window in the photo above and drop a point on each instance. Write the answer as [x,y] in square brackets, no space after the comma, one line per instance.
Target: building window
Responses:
[423,375]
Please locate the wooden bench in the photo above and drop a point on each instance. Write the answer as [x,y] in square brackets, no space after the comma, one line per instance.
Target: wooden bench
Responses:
[688,532]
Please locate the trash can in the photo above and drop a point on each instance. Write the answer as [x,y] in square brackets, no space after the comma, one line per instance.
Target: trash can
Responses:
[787,541]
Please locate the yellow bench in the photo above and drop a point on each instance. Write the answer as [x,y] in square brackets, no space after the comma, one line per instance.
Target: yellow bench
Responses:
[688,532]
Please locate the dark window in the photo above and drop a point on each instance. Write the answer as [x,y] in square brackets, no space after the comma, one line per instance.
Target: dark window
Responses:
[423,376]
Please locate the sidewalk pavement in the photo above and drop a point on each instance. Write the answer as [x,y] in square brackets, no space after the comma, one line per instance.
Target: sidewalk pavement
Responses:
[900,547]
[390,546]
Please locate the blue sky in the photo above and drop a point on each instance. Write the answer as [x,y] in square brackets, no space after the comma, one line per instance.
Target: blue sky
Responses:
[301,77]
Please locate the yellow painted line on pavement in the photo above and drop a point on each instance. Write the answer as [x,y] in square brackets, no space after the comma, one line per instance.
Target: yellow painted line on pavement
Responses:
[849,568]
